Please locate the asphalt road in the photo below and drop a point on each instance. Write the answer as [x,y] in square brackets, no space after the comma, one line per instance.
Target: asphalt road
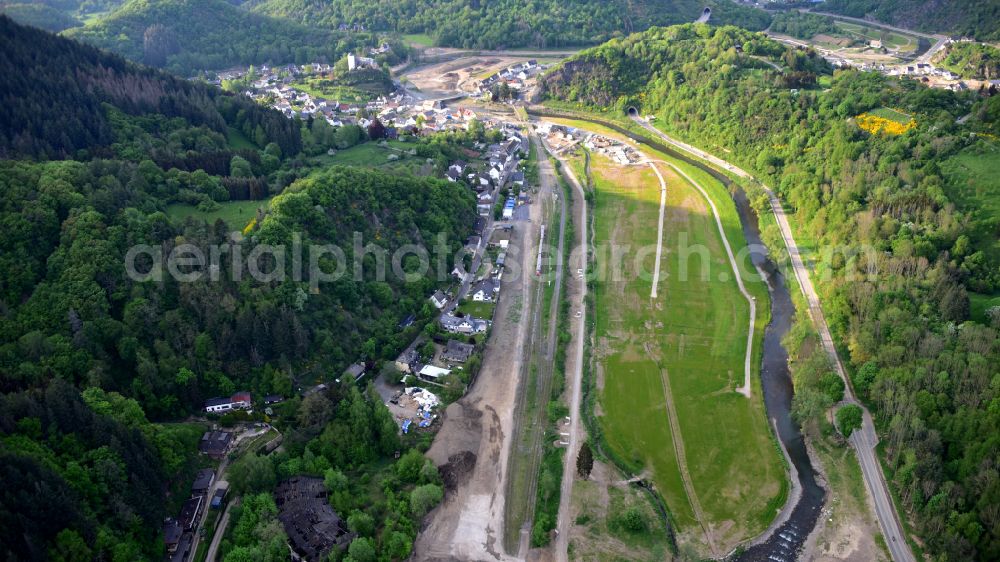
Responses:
[213,548]
[865,439]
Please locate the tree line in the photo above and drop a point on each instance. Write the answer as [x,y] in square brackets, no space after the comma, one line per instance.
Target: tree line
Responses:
[510,23]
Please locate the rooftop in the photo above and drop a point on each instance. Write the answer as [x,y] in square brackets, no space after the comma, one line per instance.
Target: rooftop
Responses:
[312,526]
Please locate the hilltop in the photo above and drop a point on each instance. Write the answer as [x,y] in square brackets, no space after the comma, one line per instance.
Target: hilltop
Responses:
[187,35]
[509,23]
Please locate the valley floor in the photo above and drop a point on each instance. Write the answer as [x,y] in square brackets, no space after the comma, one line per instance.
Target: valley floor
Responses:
[668,368]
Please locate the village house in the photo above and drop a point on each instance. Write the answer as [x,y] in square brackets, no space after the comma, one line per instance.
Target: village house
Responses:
[171,534]
[485,290]
[203,481]
[439,299]
[463,324]
[215,443]
[408,361]
[357,370]
[189,512]
[238,401]
[457,352]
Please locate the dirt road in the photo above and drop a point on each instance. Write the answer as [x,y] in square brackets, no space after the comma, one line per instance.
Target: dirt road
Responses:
[577,294]
[473,446]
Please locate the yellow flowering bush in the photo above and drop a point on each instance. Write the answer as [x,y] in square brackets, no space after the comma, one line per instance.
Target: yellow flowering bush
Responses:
[875,124]
[249,227]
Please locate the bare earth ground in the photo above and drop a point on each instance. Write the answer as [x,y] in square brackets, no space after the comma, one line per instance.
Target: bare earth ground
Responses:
[459,75]
[473,446]
[846,528]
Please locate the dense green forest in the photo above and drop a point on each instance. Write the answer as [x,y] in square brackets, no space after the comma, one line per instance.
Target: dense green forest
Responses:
[971,60]
[96,365]
[509,23]
[49,112]
[40,15]
[895,288]
[187,35]
[973,18]
[802,25]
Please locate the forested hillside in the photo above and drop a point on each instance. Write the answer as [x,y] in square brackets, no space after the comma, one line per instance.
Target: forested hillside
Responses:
[40,15]
[973,18]
[510,23]
[187,35]
[55,90]
[903,257]
[94,362]
[802,24]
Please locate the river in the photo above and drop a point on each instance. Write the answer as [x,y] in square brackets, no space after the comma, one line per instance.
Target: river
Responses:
[785,542]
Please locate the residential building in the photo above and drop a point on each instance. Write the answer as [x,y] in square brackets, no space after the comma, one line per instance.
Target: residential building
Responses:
[439,299]
[203,481]
[238,401]
[485,290]
[457,352]
[215,443]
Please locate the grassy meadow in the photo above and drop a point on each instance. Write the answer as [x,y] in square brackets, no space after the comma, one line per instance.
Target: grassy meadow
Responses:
[236,214]
[692,338]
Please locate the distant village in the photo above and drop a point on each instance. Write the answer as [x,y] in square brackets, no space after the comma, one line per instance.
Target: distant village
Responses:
[514,78]
[926,72]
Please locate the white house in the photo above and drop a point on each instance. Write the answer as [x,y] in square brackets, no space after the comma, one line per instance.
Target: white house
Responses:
[439,299]
[238,401]
[485,290]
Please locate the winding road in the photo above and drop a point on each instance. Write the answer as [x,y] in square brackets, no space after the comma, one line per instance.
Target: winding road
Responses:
[863,440]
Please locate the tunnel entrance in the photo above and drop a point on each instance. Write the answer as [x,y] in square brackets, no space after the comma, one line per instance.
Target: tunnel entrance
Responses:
[633,112]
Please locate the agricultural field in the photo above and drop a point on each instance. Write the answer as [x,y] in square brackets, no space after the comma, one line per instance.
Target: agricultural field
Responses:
[974,185]
[886,120]
[667,368]
[236,214]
